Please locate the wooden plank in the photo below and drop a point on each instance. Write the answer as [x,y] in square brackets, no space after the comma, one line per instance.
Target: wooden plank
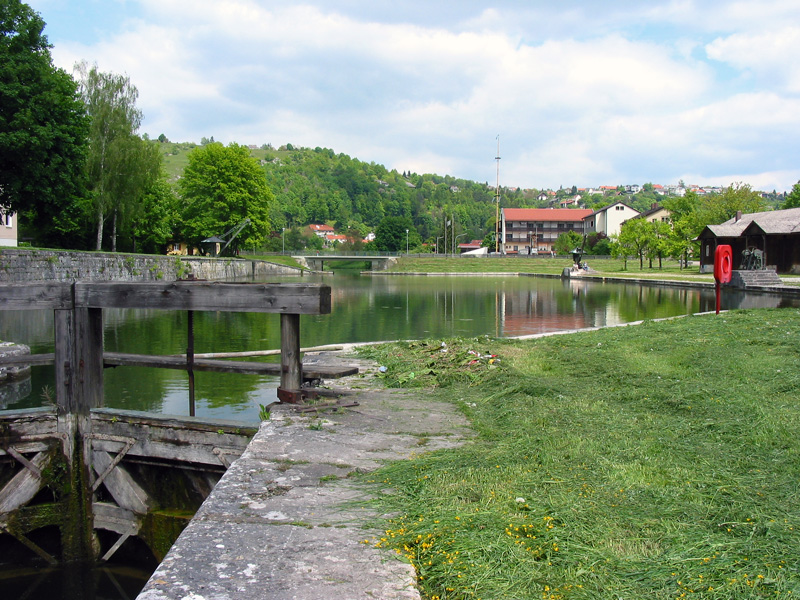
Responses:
[88,370]
[116,359]
[126,492]
[116,519]
[114,416]
[33,360]
[23,486]
[291,367]
[199,454]
[274,352]
[29,296]
[208,446]
[294,298]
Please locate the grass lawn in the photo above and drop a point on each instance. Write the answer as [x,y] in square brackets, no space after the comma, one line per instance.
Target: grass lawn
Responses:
[652,461]
[274,258]
[608,267]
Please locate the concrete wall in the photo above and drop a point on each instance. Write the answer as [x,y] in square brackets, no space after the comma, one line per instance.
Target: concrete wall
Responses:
[19,265]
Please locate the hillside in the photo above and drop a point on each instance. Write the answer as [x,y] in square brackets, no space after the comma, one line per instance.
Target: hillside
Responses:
[319,186]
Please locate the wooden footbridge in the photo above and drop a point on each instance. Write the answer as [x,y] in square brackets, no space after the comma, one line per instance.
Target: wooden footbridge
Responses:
[79,480]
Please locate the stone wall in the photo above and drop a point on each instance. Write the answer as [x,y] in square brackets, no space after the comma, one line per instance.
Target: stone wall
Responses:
[20,265]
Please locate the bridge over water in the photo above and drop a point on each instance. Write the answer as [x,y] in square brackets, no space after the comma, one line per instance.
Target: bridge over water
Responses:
[317,262]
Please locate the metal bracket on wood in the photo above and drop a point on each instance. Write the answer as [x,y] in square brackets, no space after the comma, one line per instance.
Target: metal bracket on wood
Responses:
[128,444]
[291,396]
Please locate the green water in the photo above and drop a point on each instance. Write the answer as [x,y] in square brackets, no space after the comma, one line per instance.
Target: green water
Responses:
[364,309]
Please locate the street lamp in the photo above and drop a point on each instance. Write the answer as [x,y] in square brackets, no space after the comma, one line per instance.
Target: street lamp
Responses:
[283,240]
[437,244]
[406,241]
[455,243]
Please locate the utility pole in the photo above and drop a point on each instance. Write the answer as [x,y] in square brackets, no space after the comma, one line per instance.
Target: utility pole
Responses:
[497,200]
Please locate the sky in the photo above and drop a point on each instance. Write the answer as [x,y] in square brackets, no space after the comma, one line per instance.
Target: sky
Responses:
[574,92]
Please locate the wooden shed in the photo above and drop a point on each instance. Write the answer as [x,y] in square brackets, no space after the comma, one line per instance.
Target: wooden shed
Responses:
[775,233]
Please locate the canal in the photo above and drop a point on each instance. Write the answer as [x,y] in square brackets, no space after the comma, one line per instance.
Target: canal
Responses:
[365,309]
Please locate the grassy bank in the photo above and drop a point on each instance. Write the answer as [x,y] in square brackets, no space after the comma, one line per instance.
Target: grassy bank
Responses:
[608,267]
[652,461]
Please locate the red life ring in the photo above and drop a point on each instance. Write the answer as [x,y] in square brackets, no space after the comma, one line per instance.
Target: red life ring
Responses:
[723,263]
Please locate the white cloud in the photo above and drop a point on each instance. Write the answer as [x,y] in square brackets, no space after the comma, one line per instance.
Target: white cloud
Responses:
[596,102]
[769,56]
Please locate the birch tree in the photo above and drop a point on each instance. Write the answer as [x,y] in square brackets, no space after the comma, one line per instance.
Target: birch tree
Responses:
[119,166]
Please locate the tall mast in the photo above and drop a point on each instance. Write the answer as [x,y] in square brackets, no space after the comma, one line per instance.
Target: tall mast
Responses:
[497,200]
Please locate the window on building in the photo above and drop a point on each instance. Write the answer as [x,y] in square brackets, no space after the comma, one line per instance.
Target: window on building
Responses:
[7,219]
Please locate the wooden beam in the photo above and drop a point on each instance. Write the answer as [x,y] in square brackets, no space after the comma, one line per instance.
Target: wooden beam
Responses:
[29,296]
[115,359]
[33,360]
[30,545]
[113,518]
[126,492]
[23,486]
[295,298]
[275,352]
[291,367]
[88,370]
[167,439]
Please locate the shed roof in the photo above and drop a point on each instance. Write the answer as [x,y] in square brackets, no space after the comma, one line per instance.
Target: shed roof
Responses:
[770,222]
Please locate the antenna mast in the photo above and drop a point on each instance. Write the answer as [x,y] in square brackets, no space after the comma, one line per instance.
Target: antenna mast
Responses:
[497,200]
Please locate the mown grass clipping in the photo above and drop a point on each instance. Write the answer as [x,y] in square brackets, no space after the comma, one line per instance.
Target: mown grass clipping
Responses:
[659,460]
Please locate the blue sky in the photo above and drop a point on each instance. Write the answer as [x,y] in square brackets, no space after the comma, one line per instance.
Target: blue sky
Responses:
[581,93]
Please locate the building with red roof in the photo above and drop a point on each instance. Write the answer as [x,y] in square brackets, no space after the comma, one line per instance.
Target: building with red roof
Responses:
[535,230]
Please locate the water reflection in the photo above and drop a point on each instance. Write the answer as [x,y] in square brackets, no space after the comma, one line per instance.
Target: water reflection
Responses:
[364,309]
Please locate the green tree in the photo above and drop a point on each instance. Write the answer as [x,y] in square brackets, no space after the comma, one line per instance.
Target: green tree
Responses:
[141,162]
[392,233]
[156,219]
[221,187]
[567,242]
[659,245]
[120,165]
[793,199]
[718,208]
[635,237]
[43,127]
[685,225]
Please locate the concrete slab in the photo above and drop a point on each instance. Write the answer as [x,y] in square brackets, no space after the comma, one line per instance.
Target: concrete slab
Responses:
[288,521]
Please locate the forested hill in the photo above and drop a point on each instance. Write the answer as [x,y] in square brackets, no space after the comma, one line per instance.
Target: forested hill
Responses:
[319,186]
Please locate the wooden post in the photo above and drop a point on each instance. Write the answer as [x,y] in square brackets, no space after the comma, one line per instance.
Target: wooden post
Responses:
[86,377]
[72,366]
[291,366]
[190,360]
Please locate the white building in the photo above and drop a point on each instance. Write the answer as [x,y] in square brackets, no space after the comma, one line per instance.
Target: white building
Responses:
[8,229]
[609,219]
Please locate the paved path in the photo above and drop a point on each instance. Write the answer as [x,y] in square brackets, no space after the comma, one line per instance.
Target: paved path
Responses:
[286,522]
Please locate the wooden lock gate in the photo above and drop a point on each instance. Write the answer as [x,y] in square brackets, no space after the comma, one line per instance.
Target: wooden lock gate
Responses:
[93,442]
